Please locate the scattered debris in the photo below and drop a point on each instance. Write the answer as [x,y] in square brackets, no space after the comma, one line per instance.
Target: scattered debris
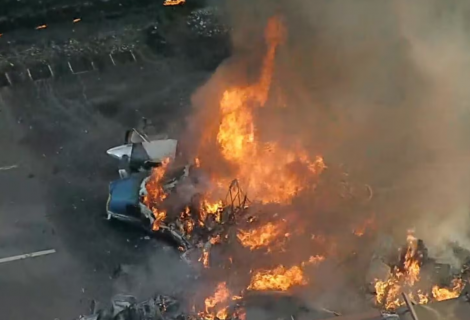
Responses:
[126,307]
[206,22]
[164,307]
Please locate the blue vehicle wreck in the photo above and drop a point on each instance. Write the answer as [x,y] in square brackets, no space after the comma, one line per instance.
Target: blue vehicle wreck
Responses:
[137,157]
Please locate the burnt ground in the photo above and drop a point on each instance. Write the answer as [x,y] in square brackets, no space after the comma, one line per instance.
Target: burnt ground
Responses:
[56,132]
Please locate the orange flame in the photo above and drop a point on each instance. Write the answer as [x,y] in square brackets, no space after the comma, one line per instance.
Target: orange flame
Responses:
[260,237]
[211,209]
[155,194]
[205,258]
[159,218]
[262,167]
[366,225]
[313,260]
[279,278]
[441,294]
[173,2]
[216,305]
[388,291]
[197,163]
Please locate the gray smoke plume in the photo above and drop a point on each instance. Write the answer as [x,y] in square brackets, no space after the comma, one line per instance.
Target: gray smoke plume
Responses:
[381,87]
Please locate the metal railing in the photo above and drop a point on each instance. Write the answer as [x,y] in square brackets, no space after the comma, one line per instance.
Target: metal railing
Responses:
[71,66]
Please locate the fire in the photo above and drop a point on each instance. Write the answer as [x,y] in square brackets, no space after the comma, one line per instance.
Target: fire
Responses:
[264,167]
[440,294]
[260,237]
[216,305]
[212,209]
[173,2]
[155,194]
[159,218]
[313,260]
[401,279]
[205,258]
[279,278]
[272,173]
[366,225]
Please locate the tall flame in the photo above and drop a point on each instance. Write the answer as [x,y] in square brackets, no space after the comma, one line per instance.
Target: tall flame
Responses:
[399,280]
[155,194]
[262,167]
[216,305]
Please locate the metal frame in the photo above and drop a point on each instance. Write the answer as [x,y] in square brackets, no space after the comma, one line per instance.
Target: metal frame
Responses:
[236,198]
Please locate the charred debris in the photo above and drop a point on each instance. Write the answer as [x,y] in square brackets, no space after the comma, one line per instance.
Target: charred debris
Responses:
[162,307]
[203,231]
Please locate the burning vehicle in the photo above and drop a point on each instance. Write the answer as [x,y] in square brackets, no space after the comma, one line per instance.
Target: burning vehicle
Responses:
[128,201]
[143,150]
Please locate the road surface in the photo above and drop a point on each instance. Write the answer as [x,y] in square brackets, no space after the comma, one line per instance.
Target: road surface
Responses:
[53,189]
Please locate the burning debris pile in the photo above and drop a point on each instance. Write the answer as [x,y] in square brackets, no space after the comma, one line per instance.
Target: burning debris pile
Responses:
[200,223]
[406,277]
[162,307]
[258,240]
[226,236]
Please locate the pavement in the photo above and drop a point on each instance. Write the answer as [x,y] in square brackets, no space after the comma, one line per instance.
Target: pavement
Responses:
[54,176]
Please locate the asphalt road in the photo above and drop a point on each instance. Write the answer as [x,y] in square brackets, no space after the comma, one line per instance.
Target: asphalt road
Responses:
[56,133]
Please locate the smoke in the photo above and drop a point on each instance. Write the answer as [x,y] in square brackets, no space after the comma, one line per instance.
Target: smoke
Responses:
[380,87]
[145,280]
[438,38]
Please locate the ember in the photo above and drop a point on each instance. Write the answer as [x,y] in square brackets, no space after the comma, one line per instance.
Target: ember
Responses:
[173,2]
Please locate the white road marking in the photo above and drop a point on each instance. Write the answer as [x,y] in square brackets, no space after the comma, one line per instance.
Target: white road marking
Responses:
[9,167]
[28,255]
